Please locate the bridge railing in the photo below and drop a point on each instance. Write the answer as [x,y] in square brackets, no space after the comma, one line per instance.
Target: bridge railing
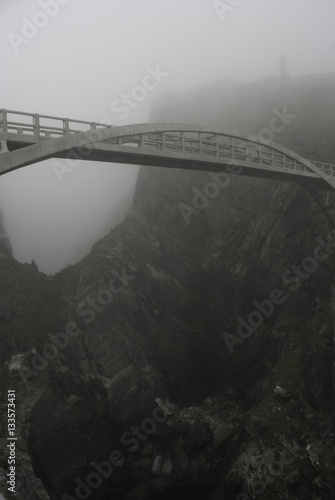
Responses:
[42,125]
[219,146]
[213,145]
[327,168]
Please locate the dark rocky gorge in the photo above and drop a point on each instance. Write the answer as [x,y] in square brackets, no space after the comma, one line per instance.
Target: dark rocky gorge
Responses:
[149,393]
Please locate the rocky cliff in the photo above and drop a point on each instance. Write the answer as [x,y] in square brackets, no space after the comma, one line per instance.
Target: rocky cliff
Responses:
[190,354]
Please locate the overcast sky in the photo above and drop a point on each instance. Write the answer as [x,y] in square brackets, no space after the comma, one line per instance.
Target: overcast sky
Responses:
[84,55]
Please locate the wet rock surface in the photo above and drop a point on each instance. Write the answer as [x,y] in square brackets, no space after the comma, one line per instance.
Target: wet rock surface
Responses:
[130,380]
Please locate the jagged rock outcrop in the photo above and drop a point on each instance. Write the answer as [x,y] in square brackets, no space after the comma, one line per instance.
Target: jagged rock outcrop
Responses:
[143,317]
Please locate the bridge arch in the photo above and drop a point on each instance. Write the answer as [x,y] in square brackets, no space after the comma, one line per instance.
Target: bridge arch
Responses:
[170,145]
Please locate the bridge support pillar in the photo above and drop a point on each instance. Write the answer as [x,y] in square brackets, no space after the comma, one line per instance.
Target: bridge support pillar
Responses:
[3,147]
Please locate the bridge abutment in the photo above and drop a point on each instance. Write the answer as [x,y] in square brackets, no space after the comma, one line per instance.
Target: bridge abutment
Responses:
[3,147]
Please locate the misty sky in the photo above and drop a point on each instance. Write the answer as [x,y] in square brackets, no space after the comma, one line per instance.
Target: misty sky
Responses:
[88,54]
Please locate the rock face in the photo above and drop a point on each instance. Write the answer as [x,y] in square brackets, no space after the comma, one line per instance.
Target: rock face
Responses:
[151,369]
[5,246]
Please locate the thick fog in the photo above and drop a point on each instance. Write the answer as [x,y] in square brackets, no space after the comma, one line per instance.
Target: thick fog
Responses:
[80,59]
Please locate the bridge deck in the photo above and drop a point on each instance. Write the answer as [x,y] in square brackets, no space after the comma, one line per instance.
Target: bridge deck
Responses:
[165,145]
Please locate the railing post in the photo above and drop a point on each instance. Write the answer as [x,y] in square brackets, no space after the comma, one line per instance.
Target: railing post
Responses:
[200,143]
[36,124]
[66,126]
[232,146]
[93,126]
[4,120]
[183,142]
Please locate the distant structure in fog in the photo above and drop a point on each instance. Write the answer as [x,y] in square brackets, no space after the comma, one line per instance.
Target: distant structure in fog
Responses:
[283,67]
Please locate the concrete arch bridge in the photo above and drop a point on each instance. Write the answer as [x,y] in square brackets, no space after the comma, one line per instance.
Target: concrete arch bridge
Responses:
[29,138]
